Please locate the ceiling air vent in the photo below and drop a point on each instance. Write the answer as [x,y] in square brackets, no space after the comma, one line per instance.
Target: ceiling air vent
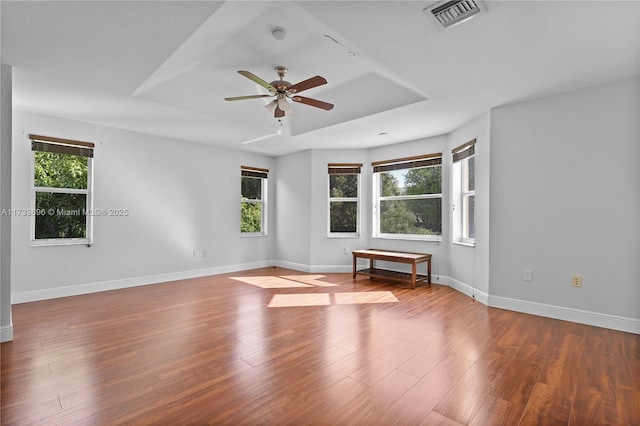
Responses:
[449,13]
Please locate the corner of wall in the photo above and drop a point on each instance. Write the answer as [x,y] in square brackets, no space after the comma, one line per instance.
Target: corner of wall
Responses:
[6,327]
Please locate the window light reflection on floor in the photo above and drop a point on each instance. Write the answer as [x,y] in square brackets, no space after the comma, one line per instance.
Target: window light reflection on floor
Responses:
[310,279]
[325,299]
[304,299]
[285,281]
[312,299]
[270,282]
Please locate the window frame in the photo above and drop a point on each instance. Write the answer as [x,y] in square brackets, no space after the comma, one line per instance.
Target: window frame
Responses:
[466,194]
[401,164]
[69,145]
[461,193]
[263,175]
[349,169]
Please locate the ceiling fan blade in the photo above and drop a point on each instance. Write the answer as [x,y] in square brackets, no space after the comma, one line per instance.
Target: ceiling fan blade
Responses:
[307,84]
[258,80]
[239,98]
[278,113]
[313,102]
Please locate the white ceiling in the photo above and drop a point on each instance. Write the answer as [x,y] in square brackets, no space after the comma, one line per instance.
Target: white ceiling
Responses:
[164,67]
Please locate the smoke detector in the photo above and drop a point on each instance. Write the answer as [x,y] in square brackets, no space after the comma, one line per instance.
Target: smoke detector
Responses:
[278,33]
[447,14]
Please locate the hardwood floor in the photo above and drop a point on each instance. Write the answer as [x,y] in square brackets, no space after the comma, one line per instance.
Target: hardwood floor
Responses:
[212,351]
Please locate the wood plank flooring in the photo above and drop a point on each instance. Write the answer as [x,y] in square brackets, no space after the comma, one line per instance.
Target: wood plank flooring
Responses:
[211,351]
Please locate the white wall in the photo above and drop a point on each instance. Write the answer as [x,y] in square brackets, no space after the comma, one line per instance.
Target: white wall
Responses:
[180,196]
[564,201]
[293,195]
[6,326]
[469,266]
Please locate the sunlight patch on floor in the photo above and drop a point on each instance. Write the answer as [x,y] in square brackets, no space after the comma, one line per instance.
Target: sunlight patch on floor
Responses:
[310,279]
[323,299]
[352,298]
[304,299]
[270,282]
[285,281]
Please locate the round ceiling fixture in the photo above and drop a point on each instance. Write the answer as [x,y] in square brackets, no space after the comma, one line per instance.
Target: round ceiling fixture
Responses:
[278,33]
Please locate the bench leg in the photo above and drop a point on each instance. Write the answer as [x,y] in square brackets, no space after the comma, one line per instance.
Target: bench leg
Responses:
[413,274]
[354,266]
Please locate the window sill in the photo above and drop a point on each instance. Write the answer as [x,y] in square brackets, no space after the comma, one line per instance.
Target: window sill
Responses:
[465,243]
[430,238]
[343,236]
[252,234]
[51,243]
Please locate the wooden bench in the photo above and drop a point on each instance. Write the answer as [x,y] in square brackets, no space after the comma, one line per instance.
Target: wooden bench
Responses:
[393,256]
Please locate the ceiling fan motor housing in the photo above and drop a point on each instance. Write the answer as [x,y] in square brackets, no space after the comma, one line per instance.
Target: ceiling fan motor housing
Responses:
[281,85]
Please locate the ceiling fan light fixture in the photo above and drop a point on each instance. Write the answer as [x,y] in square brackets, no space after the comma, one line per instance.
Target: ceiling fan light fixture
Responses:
[271,106]
[284,105]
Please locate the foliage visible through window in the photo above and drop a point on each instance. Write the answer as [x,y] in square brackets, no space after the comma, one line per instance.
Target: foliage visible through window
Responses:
[61,181]
[253,197]
[343,198]
[409,198]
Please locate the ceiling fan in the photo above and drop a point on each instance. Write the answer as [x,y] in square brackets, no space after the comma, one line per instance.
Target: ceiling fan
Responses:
[284,90]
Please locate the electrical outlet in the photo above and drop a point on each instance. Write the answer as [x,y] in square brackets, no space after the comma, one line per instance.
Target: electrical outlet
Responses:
[576,280]
[528,275]
[204,253]
[195,254]
[346,250]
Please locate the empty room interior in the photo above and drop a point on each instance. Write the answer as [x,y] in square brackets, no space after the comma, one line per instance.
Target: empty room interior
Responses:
[320,212]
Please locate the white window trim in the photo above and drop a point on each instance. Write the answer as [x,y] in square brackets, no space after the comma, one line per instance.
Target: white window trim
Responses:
[263,201]
[464,197]
[459,197]
[464,243]
[41,242]
[343,199]
[376,216]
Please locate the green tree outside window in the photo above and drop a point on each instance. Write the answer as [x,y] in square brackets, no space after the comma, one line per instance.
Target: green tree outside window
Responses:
[61,214]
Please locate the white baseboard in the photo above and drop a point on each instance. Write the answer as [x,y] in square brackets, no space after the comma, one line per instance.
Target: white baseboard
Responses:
[6,333]
[629,325]
[315,269]
[331,269]
[75,290]
[292,265]
[468,290]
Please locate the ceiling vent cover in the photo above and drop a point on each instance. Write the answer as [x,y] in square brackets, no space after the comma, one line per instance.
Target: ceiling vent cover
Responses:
[449,13]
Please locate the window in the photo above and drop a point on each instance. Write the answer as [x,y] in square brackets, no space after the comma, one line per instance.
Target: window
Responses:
[464,192]
[408,198]
[344,195]
[62,198]
[253,201]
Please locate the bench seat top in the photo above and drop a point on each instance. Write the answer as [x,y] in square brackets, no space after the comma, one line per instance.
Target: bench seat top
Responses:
[391,255]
